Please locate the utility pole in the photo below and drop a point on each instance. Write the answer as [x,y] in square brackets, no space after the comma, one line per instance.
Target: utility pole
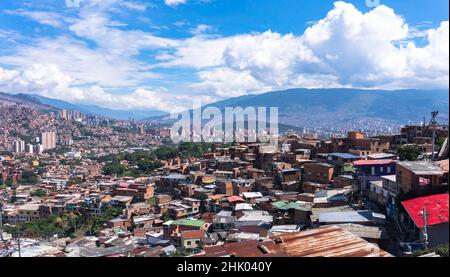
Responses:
[425,233]
[433,124]
[1,220]
[2,239]
[18,237]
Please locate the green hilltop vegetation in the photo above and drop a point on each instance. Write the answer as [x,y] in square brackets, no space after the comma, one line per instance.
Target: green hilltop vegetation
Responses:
[143,162]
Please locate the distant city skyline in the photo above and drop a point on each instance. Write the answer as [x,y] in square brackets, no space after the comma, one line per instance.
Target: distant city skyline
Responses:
[158,55]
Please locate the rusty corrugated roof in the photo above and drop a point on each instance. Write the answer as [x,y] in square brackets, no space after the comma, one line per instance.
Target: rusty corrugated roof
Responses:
[251,248]
[328,241]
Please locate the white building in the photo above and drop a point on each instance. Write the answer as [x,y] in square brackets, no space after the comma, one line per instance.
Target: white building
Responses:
[30,148]
[19,146]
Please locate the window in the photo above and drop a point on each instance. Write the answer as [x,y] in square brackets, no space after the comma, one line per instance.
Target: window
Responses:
[388,169]
[373,170]
[381,169]
[188,242]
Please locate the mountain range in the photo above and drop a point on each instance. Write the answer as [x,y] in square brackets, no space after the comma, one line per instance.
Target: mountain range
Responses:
[99,111]
[301,107]
[297,107]
[46,103]
[25,99]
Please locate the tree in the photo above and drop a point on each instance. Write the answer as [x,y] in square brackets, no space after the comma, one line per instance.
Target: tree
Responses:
[9,182]
[441,250]
[73,220]
[29,178]
[166,152]
[147,166]
[58,151]
[165,216]
[178,253]
[439,142]
[75,181]
[39,193]
[95,223]
[41,170]
[114,169]
[32,229]
[46,227]
[151,201]
[189,149]
[409,152]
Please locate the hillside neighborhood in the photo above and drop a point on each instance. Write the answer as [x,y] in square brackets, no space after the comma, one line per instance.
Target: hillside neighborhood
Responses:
[74,185]
[224,136]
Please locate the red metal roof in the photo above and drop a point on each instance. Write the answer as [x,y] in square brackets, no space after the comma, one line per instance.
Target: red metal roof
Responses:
[193,234]
[127,189]
[372,162]
[436,206]
[235,198]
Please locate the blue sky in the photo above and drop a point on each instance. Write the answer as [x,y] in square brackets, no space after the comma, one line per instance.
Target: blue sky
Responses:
[160,54]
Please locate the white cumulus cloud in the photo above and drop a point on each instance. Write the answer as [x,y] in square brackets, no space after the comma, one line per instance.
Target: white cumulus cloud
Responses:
[50,81]
[346,48]
[173,3]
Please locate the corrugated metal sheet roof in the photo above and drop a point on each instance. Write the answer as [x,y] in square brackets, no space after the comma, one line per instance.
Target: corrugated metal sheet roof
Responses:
[251,248]
[189,222]
[291,205]
[248,248]
[366,232]
[243,207]
[252,194]
[422,167]
[329,241]
[436,206]
[348,217]
[344,155]
[373,162]
[193,234]
[235,198]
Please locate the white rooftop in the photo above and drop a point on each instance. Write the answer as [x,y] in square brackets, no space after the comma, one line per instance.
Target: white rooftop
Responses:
[243,207]
[252,194]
